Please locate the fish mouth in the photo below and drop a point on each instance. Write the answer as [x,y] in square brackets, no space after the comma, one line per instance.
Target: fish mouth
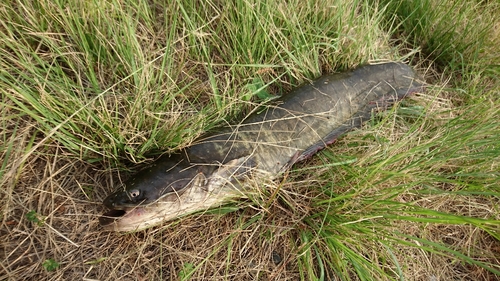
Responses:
[131,219]
[111,216]
[128,219]
[172,206]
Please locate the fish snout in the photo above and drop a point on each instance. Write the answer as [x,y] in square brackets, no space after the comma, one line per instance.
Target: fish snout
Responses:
[115,200]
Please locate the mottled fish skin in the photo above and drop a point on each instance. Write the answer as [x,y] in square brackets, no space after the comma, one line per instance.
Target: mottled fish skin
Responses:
[264,144]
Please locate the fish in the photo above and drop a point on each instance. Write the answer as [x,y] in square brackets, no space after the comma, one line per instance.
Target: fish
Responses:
[220,166]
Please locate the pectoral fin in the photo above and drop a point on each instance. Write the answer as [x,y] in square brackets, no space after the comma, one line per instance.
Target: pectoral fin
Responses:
[200,181]
[233,171]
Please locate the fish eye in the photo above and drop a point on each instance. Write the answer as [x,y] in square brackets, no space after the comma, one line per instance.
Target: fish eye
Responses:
[134,193]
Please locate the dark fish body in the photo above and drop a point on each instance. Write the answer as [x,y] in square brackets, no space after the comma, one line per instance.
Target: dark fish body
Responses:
[268,141]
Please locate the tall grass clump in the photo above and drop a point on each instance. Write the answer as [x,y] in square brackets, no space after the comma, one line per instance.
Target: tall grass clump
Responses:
[90,77]
[432,186]
[458,36]
[108,79]
[403,192]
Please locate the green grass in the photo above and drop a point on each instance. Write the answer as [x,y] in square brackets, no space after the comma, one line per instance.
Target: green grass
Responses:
[102,85]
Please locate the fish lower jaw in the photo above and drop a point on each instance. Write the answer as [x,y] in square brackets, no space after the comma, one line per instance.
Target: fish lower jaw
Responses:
[140,218]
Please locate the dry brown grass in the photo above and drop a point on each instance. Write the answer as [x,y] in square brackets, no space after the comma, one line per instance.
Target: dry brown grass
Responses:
[225,247]
[54,186]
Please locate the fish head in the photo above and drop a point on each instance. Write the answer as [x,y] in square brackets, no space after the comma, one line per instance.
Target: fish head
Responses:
[164,177]
[171,189]
[164,181]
